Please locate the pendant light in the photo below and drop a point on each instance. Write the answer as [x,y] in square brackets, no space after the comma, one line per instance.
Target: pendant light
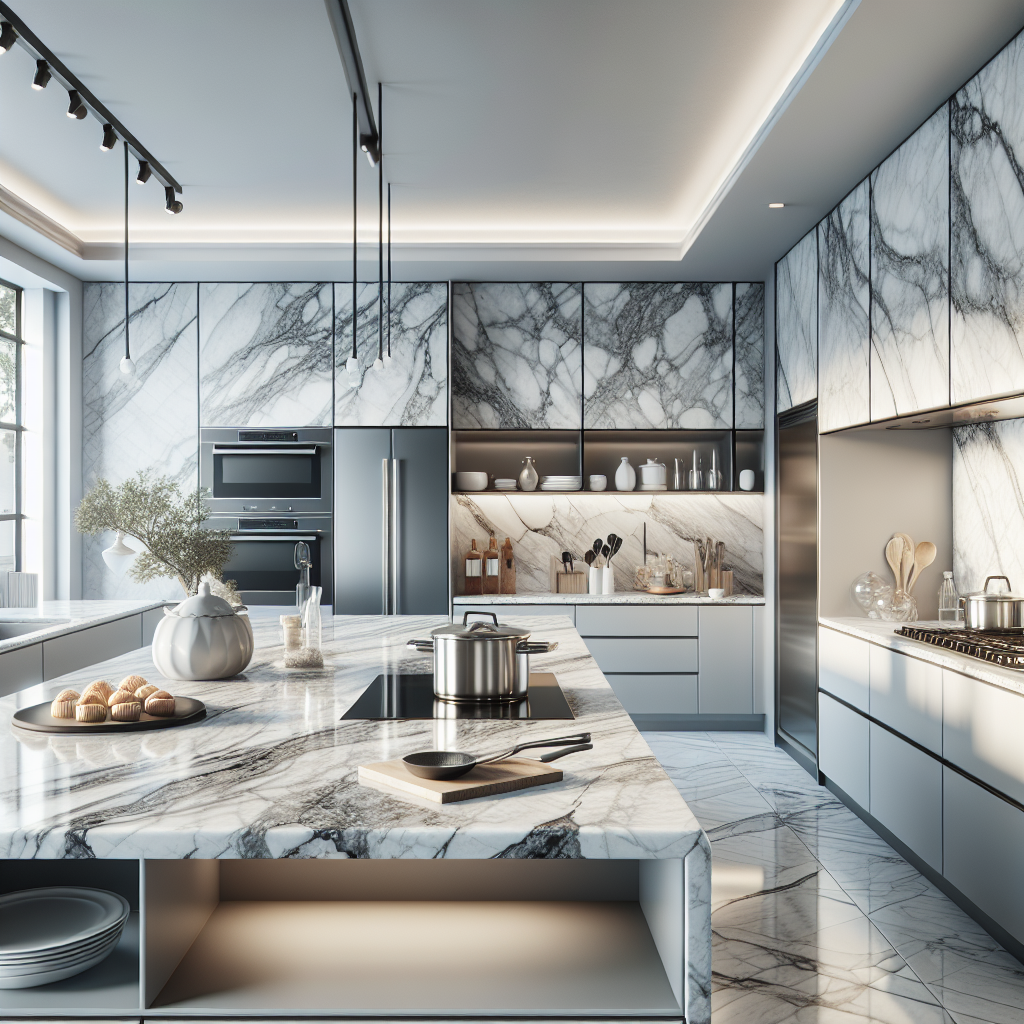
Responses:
[127,365]
[119,556]
[378,363]
[387,355]
[353,362]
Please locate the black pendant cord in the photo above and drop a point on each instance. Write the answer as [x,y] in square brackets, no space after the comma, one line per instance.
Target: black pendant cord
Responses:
[380,224]
[389,270]
[127,345]
[355,151]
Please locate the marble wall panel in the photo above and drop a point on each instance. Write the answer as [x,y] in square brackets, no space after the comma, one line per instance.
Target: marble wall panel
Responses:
[266,356]
[544,526]
[796,315]
[844,343]
[987,230]
[988,504]
[517,356]
[149,421]
[412,389]
[748,314]
[657,356]
[909,274]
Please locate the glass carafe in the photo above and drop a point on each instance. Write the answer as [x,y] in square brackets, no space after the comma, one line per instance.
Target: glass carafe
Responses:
[949,599]
[303,562]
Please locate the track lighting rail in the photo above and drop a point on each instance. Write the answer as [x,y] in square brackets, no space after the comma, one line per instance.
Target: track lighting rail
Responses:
[31,43]
[348,50]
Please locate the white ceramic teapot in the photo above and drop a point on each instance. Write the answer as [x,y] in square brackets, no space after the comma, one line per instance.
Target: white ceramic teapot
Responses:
[202,638]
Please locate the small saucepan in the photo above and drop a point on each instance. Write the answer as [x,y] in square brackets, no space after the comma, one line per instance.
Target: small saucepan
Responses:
[994,612]
[450,764]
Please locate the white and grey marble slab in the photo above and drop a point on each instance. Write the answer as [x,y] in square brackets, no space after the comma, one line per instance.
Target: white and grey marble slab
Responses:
[144,422]
[542,527]
[630,597]
[909,274]
[844,342]
[657,356]
[517,356]
[987,230]
[884,634]
[59,618]
[266,355]
[796,319]
[412,389]
[748,316]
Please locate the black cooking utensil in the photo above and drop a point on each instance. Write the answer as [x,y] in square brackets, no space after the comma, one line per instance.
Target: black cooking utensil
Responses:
[450,764]
[616,546]
[589,557]
[605,552]
[566,559]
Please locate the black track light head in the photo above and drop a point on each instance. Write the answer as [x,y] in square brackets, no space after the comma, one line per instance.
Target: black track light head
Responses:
[8,37]
[172,205]
[76,108]
[145,172]
[109,138]
[368,144]
[42,75]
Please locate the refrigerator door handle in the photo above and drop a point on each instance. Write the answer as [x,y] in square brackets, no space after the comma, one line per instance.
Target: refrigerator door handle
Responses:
[385,576]
[395,549]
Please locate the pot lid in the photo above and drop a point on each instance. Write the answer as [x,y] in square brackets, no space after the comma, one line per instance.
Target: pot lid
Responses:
[203,605]
[995,597]
[479,631]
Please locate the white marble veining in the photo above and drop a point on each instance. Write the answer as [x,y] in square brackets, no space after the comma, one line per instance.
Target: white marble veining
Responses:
[59,618]
[909,274]
[987,230]
[517,356]
[148,421]
[884,634]
[657,356]
[748,316]
[411,390]
[844,343]
[543,527]
[628,597]
[266,355]
[796,316]
[988,503]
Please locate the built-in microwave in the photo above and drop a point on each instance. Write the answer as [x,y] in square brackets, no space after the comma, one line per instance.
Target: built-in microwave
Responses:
[281,470]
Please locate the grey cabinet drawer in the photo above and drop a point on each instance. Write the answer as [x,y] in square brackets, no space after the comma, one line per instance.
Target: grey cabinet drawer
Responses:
[90,646]
[505,612]
[843,667]
[20,668]
[906,694]
[843,748]
[667,694]
[726,661]
[660,654]
[636,620]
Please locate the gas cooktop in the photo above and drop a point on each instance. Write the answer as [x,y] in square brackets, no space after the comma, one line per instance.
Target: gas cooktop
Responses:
[1006,649]
[411,695]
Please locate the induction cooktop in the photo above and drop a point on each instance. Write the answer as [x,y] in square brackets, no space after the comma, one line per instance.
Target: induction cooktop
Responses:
[411,695]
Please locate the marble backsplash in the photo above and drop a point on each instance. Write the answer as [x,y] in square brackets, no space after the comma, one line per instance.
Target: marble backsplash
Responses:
[542,526]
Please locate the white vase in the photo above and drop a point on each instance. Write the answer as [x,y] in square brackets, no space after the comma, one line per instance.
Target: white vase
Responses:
[625,476]
[607,580]
[528,478]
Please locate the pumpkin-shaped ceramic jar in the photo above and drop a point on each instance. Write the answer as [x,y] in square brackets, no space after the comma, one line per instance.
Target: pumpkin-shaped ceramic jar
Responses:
[202,638]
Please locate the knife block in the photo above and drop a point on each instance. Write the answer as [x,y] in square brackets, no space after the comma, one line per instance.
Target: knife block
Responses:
[570,582]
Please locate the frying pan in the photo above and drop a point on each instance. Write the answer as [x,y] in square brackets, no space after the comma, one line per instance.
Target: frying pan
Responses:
[450,764]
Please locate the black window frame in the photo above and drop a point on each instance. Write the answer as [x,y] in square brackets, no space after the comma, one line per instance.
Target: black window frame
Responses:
[17,426]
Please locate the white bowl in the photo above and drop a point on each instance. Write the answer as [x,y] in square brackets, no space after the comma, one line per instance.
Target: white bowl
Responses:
[598,483]
[471,481]
[746,479]
[716,594]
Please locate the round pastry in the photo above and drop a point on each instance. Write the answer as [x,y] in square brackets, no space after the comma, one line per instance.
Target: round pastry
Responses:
[63,705]
[90,713]
[144,691]
[132,683]
[126,711]
[94,697]
[160,704]
[121,697]
[100,686]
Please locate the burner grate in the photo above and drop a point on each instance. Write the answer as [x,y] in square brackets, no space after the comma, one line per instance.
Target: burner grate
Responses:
[994,647]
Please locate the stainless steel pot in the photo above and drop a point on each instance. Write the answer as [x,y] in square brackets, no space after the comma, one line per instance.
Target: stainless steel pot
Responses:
[481,661]
[995,613]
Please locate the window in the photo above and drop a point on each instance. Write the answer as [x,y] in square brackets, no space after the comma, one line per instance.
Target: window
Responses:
[11,514]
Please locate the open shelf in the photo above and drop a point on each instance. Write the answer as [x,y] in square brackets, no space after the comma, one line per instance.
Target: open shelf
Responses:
[500,453]
[603,450]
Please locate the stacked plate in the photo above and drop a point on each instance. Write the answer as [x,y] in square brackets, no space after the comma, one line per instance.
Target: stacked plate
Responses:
[561,483]
[504,484]
[50,934]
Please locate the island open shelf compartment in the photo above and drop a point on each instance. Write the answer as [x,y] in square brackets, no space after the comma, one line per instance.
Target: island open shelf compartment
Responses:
[344,937]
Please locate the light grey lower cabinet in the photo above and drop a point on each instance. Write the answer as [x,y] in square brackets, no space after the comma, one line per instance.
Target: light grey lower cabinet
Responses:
[843,667]
[511,611]
[906,694]
[906,794]
[726,675]
[843,743]
[654,654]
[636,620]
[655,694]
[983,837]
[88,646]
[20,668]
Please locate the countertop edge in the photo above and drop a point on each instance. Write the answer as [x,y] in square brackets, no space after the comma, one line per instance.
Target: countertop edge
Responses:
[53,630]
[622,597]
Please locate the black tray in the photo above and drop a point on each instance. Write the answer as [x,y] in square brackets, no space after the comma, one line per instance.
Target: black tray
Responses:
[38,719]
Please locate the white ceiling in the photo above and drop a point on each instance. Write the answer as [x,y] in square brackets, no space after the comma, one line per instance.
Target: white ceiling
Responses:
[582,138]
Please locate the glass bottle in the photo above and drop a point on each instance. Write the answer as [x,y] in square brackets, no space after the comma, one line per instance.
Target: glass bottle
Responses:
[949,599]
[492,568]
[474,571]
[303,562]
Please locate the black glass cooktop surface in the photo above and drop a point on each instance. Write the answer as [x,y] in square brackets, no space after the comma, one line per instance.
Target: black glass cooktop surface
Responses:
[411,695]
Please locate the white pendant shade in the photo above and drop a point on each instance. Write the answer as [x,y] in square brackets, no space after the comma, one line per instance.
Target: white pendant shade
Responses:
[119,556]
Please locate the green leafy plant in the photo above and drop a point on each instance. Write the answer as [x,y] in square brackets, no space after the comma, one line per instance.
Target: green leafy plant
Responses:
[170,525]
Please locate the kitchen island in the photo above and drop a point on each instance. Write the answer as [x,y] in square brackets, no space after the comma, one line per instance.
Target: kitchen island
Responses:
[269,882]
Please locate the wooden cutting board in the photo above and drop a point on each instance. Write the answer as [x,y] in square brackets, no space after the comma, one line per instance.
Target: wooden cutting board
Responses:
[484,780]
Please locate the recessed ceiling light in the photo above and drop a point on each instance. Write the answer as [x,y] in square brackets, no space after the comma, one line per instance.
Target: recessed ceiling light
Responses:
[776,206]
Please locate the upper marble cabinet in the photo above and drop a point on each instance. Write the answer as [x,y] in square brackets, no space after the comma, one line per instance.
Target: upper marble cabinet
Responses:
[266,355]
[410,390]
[657,356]
[748,316]
[909,287]
[517,356]
[796,328]
[844,343]
[987,230]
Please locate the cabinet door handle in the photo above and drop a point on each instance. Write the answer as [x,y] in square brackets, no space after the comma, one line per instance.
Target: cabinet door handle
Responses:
[385,536]
[395,548]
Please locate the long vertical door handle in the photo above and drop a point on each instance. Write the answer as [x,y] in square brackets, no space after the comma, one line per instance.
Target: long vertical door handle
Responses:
[395,534]
[385,576]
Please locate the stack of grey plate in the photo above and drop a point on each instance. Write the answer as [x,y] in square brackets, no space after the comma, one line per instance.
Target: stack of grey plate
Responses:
[561,483]
[50,934]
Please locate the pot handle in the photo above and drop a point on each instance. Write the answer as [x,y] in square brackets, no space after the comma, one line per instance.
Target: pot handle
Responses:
[536,646]
[988,579]
[465,618]
[421,645]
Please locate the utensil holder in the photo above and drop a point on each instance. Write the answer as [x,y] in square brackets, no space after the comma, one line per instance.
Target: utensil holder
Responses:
[571,583]
[607,580]
[725,581]
[595,580]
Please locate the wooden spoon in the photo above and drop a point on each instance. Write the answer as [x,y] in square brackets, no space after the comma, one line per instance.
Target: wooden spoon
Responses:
[924,555]
[907,562]
[894,555]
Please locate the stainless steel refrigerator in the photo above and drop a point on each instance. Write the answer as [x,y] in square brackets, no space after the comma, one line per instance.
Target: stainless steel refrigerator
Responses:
[391,550]
[796,680]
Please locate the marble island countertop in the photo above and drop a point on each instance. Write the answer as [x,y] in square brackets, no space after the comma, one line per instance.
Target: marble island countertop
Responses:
[884,634]
[271,772]
[620,597]
[58,618]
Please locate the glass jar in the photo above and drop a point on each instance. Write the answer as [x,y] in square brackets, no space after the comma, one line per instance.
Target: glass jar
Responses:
[949,599]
